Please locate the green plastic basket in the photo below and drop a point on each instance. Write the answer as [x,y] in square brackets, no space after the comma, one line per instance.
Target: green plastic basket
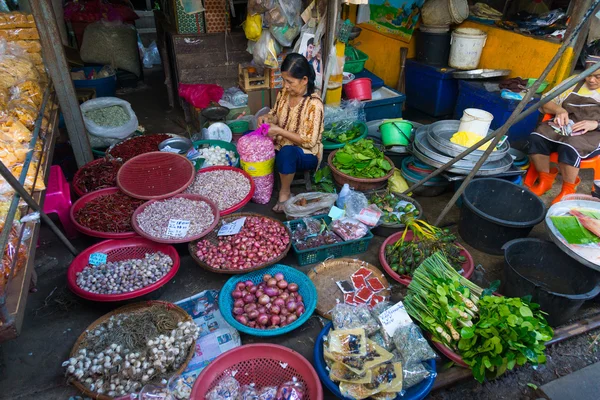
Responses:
[238,126]
[213,143]
[318,254]
[543,86]
[329,145]
[355,60]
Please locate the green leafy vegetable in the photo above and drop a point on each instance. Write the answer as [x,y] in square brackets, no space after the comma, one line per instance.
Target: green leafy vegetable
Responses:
[361,160]
[323,181]
[339,134]
[572,230]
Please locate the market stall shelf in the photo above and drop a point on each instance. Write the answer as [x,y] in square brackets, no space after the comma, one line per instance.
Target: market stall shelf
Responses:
[262,364]
[326,274]
[131,308]
[213,239]
[306,289]
[120,250]
[417,392]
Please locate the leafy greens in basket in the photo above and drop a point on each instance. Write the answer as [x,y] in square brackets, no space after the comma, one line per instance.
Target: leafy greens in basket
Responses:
[361,160]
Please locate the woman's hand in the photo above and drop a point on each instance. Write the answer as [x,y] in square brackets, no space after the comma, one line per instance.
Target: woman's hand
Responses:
[561,118]
[275,130]
[267,119]
[582,127]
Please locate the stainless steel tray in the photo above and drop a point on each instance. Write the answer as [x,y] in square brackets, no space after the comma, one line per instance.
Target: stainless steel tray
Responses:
[481,73]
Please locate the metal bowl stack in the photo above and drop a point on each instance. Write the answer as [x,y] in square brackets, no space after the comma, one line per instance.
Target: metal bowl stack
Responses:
[432,146]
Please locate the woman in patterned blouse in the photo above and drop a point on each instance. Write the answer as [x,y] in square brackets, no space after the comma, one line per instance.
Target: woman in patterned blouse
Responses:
[295,123]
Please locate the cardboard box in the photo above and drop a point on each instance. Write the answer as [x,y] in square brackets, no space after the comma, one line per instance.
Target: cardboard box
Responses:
[273,95]
[258,99]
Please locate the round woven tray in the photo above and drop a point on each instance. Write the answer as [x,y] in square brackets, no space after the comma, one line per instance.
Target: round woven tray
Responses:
[76,178]
[360,184]
[212,237]
[122,310]
[326,274]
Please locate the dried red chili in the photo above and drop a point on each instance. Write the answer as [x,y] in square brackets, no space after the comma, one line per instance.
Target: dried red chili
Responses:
[109,213]
[138,145]
[99,175]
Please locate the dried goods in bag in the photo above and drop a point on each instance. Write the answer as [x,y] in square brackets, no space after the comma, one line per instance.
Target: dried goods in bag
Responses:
[113,43]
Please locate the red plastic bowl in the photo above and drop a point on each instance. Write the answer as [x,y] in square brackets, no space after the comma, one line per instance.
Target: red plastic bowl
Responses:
[359,89]
[76,187]
[246,199]
[156,175]
[468,266]
[454,357]
[260,364]
[87,231]
[186,239]
[117,250]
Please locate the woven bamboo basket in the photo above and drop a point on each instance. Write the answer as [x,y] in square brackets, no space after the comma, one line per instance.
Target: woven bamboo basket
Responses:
[122,310]
[326,274]
[212,237]
[360,184]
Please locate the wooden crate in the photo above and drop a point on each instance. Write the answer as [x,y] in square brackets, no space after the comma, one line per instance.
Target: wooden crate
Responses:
[250,83]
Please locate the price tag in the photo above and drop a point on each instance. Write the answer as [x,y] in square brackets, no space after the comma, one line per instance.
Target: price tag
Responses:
[336,213]
[97,259]
[178,228]
[394,317]
[232,228]
[369,216]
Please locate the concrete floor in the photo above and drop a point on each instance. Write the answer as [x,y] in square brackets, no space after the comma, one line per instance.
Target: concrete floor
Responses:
[30,366]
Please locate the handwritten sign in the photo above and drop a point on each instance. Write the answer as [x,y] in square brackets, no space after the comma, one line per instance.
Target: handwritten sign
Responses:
[97,259]
[232,228]
[394,317]
[178,228]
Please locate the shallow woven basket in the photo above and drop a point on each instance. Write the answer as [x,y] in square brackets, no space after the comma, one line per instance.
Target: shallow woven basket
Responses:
[326,274]
[212,237]
[360,184]
[122,310]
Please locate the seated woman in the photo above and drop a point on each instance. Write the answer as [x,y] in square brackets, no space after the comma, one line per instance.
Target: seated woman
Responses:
[580,104]
[296,124]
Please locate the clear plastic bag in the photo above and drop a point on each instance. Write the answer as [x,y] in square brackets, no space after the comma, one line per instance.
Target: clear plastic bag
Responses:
[112,43]
[257,157]
[349,228]
[228,388]
[286,34]
[259,6]
[151,56]
[268,393]
[381,337]
[235,96]
[292,390]
[309,204]
[411,345]
[119,132]
[265,51]
[354,203]
[345,316]
[415,373]
[290,9]
[248,392]
[343,118]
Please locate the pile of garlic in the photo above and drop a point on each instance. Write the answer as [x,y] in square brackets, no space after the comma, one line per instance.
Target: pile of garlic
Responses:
[217,156]
[117,371]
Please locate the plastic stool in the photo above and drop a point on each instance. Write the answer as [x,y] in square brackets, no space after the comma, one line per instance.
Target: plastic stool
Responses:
[586,163]
[58,200]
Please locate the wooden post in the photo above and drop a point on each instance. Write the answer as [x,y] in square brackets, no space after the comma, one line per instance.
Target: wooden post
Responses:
[56,64]
[578,10]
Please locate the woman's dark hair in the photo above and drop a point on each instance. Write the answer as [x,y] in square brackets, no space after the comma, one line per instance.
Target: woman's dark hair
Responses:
[298,66]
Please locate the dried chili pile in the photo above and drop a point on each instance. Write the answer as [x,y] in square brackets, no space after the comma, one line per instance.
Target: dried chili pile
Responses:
[137,145]
[110,213]
[99,175]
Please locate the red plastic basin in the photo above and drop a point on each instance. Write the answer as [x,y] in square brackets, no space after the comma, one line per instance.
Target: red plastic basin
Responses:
[359,89]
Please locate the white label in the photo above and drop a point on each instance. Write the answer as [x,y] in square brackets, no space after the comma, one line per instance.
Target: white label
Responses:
[394,317]
[232,228]
[97,259]
[170,149]
[178,228]
[368,216]
[336,213]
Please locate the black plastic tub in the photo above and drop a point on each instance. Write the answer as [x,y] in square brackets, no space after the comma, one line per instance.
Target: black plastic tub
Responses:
[496,211]
[558,283]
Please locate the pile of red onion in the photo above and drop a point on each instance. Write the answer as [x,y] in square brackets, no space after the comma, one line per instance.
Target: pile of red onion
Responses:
[273,303]
[260,241]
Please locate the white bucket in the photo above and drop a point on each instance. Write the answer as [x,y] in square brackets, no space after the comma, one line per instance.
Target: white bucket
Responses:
[466,48]
[476,121]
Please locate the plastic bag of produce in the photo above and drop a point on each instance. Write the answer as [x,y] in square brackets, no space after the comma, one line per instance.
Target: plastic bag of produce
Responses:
[200,95]
[286,34]
[257,158]
[349,228]
[259,6]
[109,117]
[309,204]
[290,9]
[411,345]
[341,119]
[415,373]
[345,316]
[397,183]
[253,26]
[265,51]
[111,43]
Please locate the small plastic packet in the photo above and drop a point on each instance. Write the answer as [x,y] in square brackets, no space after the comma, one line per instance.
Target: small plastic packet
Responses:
[313,226]
[248,392]
[338,372]
[415,373]
[411,345]
[387,377]
[13,131]
[386,340]
[345,316]
[348,342]
[349,228]
[23,111]
[227,388]
[355,201]
[268,393]
[292,390]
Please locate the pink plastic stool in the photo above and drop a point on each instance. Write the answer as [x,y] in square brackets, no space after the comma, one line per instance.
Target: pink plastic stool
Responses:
[58,200]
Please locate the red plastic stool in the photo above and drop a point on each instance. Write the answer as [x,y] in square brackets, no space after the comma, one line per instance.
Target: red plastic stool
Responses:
[588,163]
[58,200]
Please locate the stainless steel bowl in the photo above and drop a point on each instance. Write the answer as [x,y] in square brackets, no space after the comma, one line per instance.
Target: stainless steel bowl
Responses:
[179,145]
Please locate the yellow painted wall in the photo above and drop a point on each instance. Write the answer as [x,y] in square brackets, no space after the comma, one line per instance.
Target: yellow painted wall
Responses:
[525,56]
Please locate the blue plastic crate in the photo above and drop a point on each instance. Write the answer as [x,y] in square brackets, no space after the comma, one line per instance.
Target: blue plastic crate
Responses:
[429,89]
[386,104]
[474,95]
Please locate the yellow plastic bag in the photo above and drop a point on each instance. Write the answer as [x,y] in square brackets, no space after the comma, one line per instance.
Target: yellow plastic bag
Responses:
[468,139]
[397,183]
[253,27]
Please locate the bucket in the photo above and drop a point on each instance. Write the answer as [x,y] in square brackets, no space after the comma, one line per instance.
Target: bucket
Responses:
[558,283]
[496,211]
[466,46]
[444,12]
[476,121]
[359,89]
[433,45]
[396,132]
